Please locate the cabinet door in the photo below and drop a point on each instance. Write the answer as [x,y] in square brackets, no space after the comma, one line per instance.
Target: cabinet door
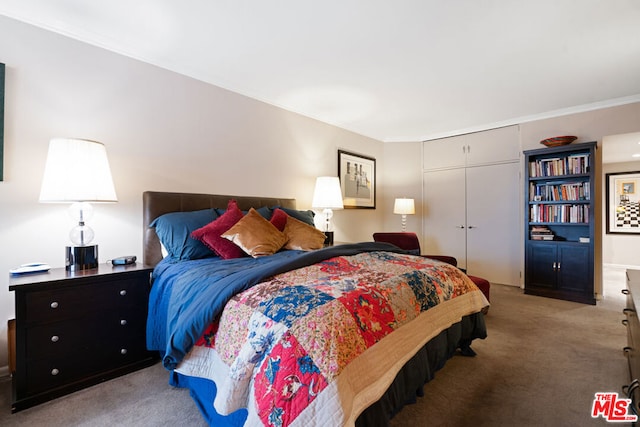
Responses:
[494,248]
[541,259]
[444,153]
[444,214]
[574,268]
[474,149]
[493,146]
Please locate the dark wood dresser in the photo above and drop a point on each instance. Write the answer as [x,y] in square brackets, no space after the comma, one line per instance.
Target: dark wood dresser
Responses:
[76,329]
[632,350]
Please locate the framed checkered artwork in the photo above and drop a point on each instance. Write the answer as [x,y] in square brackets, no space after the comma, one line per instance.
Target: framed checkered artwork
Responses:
[623,203]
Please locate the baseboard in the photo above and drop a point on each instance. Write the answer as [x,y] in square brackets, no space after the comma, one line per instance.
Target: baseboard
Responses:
[622,266]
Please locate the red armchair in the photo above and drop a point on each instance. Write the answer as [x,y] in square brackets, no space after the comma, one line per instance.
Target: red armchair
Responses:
[409,241]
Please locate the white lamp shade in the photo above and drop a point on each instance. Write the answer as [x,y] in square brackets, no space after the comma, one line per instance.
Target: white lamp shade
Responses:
[404,206]
[327,194]
[77,170]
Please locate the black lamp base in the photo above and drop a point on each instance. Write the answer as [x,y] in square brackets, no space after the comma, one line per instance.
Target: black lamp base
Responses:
[328,241]
[81,257]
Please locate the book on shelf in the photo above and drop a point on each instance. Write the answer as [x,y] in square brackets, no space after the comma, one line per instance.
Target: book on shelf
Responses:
[543,237]
[554,191]
[574,164]
[541,232]
[561,213]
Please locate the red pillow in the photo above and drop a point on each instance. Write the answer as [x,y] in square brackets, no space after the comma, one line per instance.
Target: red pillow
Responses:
[211,234]
[279,219]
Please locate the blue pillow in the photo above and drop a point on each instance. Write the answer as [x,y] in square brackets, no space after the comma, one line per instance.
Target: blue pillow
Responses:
[174,231]
[264,212]
[304,216]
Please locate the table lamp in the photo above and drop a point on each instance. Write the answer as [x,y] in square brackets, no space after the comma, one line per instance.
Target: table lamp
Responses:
[404,207]
[327,196]
[77,171]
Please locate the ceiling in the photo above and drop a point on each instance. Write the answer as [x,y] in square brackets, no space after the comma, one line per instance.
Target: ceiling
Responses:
[407,70]
[621,148]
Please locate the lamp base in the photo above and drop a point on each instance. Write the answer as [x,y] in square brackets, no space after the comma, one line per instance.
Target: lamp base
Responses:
[328,241]
[81,257]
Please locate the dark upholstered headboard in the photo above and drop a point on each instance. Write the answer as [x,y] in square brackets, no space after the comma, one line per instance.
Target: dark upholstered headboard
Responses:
[156,203]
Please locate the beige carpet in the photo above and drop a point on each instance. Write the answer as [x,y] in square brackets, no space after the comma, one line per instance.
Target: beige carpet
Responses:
[540,366]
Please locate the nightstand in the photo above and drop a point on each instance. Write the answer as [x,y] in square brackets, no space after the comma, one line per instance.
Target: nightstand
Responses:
[76,329]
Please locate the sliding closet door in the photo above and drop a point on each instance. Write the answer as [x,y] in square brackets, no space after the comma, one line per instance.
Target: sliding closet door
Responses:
[444,214]
[493,223]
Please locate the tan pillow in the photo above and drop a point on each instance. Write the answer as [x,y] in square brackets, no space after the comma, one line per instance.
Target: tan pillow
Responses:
[255,235]
[302,236]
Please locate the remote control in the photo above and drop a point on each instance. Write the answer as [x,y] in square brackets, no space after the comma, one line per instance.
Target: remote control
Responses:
[124,260]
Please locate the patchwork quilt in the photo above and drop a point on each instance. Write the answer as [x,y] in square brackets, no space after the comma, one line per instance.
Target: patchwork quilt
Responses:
[318,344]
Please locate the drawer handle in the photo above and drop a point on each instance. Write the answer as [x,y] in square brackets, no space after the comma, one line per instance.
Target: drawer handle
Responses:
[627,350]
[54,305]
[628,388]
[123,351]
[55,338]
[625,291]
[123,292]
[123,322]
[631,389]
[628,310]
[54,372]
[625,322]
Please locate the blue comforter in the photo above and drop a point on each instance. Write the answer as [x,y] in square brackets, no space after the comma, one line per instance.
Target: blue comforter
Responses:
[187,296]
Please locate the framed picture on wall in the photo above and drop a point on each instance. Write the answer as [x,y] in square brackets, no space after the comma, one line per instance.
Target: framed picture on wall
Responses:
[357,180]
[623,204]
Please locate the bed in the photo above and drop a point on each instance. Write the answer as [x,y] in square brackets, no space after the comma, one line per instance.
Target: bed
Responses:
[341,335]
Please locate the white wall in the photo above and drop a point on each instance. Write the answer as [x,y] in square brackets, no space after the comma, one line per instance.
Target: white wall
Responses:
[402,164]
[168,132]
[619,249]
[588,126]
[403,175]
[162,131]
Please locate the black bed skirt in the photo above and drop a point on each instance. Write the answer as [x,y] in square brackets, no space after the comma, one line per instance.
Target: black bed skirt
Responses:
[421,368]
